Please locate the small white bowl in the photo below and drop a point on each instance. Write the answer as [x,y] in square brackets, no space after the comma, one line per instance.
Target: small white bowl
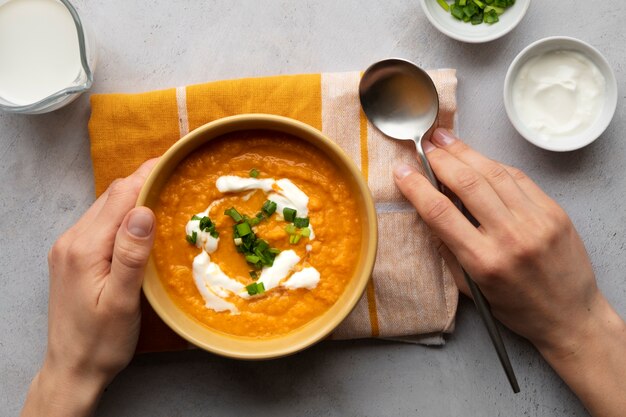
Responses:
[466,32]
[578,140]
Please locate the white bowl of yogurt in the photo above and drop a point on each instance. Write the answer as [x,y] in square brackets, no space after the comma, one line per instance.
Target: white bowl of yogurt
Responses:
[560,93]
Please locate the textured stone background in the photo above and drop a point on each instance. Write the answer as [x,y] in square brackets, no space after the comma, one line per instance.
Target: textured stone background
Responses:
[46,184]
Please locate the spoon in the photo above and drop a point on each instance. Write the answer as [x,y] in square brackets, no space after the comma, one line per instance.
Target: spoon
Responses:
[401,100]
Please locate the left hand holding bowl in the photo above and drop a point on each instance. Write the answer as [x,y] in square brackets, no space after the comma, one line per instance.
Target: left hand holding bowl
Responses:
[96,271]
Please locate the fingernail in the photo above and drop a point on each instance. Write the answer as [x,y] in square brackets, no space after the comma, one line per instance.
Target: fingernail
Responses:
[140,223]
[403,170]
[427,146]
[443,137]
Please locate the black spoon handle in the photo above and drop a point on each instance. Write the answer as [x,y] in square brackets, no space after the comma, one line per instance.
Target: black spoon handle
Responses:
[482,305]
[484,309]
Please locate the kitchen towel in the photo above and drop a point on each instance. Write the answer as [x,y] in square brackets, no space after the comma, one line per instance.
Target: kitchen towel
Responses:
[411,295]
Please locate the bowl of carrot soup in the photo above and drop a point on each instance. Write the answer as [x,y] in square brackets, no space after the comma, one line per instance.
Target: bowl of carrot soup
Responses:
[265,237]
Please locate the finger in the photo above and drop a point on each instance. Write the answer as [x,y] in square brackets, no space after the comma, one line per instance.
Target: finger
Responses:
[532,190]
[470,186]
[439,213]
[131,251]
[121,198]
[496,175]
[455,268]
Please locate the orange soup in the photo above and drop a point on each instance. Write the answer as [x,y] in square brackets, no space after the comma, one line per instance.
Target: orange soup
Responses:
[257,234]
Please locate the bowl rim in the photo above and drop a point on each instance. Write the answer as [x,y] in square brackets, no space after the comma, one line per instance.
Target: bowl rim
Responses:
[598,59]
[241,122]
[486,38]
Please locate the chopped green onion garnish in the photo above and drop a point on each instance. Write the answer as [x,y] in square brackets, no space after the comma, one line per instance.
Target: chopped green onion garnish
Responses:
[255,288]
[290,229]
[234,214]
[479,3]
[491,17]
[254,275]
[294,239]
[476,11]
[477,19]
[470,10]
[269,207]
[289,214]
[243,229]
[205,223]
[502,3]
[305,232]
[262,245]
[252,259]
[193,238]
[257,252]
[251,289]
[301,222]
[196,217]
[254,173]
[498,10]
[457,11]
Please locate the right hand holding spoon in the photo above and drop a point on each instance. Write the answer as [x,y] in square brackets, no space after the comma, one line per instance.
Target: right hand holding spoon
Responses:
[529,262]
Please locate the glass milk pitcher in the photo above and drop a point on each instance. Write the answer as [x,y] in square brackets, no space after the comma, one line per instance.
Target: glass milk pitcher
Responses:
[46,57]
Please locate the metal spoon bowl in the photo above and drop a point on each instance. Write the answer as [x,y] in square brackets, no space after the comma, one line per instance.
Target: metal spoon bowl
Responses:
[401,100]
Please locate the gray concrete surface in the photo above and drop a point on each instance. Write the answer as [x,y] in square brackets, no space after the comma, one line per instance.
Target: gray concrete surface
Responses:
[46,183]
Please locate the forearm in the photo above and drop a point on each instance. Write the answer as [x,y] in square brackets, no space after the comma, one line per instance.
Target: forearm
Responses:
[57,393]
[593,363]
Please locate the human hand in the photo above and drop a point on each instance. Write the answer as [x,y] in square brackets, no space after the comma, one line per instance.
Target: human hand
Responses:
[96,270]
[526,257]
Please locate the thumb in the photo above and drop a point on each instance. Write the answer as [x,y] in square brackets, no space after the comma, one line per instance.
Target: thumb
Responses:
[133,244]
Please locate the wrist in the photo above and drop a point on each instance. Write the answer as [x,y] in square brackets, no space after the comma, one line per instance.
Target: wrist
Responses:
[591,360]
[59,391]
[582,337]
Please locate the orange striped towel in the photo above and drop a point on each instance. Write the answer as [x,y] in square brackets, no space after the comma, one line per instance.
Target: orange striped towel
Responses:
[411,295]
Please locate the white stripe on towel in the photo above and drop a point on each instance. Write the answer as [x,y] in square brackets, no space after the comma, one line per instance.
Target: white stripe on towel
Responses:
[341,111]
[181,102]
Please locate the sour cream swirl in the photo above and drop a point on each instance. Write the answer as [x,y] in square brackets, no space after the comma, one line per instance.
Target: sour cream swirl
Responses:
[214,285]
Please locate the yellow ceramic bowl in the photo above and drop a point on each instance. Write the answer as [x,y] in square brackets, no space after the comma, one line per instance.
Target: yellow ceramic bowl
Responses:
[315,330]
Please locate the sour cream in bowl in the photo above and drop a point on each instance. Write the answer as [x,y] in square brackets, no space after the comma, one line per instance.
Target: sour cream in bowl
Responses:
[560,94]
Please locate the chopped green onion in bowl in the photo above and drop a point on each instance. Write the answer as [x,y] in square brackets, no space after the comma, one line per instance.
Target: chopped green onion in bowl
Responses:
[256,288]
[301,222]
[291,229]
[234,214]
[269,207]
[289,214]
[476,11]
[192,238]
